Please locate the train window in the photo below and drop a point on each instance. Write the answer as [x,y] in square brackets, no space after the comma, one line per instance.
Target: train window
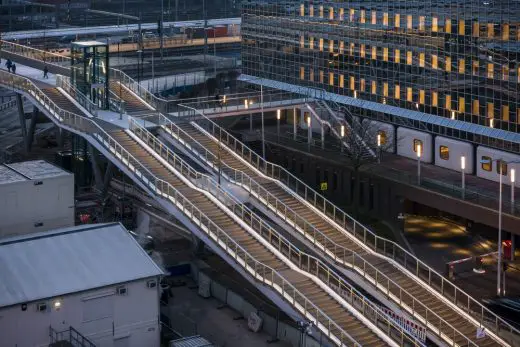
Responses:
[416,144]
[382,137]
[486,163]
[504,167]
[444,152]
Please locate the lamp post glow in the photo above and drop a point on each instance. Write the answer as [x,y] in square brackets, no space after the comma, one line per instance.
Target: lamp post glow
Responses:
[513,174]
[309,131]
[462,170]
[278,116]
[453,115]
[419,164]
[379,148]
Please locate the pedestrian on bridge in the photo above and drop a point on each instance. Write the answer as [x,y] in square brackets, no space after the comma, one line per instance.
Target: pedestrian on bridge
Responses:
[8,64]
[13,68]
[45,72]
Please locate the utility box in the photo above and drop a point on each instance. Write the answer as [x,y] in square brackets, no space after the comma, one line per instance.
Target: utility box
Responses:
[35,196]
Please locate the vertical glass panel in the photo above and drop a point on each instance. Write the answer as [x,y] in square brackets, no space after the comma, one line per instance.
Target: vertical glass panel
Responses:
[462,105]
[475,107]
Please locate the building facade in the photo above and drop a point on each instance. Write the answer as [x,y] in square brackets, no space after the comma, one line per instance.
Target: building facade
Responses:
[457,60]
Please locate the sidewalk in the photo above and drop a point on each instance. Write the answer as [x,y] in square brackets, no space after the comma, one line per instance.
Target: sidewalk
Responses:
[31,73]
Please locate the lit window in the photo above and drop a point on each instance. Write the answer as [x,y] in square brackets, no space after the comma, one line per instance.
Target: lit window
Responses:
[447,104]
[503,164]
[505,113]
[341,47]
[302,73]
[421,96]
[434,62]
[302,41]
[505,32]
[321,45]
[462,105]
[382,137]
[331,78]
[374,87]
[462,27]
[409,94]
[421,59]
[409,57]
[475,68]
[362,51]
[374,52]
[486,163]
[397,56]
[352,13]
[409,23]
[421,23]
[462,65]
[311,42]
[341,14]
[374,17]
[505,73]
[322,78]
[435,99]
[475,108]
[444,152]
[490,110]
[435,24]
[362,19]
[341,81]
[311,75]
[385,88]
[385,53]
[302,10]
[397,93]
[397,20]
[321,11]
[385,19]
[311,11]
[331,46]
[475,31]
[491,30]
[416,144]
[447,26]
[448,64]
[362,85]
[352,83]
[331,13]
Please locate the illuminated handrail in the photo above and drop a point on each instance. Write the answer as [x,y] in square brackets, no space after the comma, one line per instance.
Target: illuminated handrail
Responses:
[165,190]
[332,250]
[36,54]
[64,83]
[207,183]
[385,247]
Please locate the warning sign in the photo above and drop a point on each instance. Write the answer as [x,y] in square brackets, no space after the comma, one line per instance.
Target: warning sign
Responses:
[324,186]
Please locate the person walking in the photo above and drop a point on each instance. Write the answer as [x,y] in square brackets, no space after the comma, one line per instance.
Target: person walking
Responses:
[13,68]
[8,65]
[45,72]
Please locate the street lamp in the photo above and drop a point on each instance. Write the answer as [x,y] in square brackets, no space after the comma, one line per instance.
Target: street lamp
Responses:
[452,115]
[462,170]
[309,131]
[513,174]
[501,163]
[379,148]
[418,148]
[278,116]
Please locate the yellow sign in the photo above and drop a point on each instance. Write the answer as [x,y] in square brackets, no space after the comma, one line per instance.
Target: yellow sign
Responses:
[324,185]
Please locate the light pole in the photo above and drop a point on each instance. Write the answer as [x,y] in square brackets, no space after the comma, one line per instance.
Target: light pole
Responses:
[501,163]
[418,164]
[378,148]
[309,132]
[278,116]
[342,133]
[513,174]
[462,170]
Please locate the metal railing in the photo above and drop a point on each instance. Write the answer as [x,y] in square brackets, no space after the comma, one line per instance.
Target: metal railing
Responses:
[36,54]
[165,190]
[71,335]
[347,224]
[7,105]
[64,83]
[285,247]
[318,238]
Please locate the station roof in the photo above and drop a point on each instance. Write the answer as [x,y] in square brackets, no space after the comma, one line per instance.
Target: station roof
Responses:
[37,169]
[8,175]
[56,263]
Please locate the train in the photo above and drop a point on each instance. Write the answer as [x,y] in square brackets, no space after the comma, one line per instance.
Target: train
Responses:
[446,152]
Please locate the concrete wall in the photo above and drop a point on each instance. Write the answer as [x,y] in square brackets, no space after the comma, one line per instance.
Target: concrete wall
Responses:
[36,205]
[101,315]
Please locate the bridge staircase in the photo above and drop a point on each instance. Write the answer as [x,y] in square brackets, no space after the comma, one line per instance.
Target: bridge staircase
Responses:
[296,281]
[383,266]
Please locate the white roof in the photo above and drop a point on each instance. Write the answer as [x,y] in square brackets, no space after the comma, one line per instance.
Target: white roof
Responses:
[69,260]
[37,169]
[9,176]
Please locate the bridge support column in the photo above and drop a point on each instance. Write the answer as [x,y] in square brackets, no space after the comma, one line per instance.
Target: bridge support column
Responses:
[98,178]
[109,172]
[251,122]
[32,126]
[60,136]
[21,115]
[322,136]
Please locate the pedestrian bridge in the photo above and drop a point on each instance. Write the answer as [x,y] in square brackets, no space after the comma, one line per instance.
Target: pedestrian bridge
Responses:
[314,287]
